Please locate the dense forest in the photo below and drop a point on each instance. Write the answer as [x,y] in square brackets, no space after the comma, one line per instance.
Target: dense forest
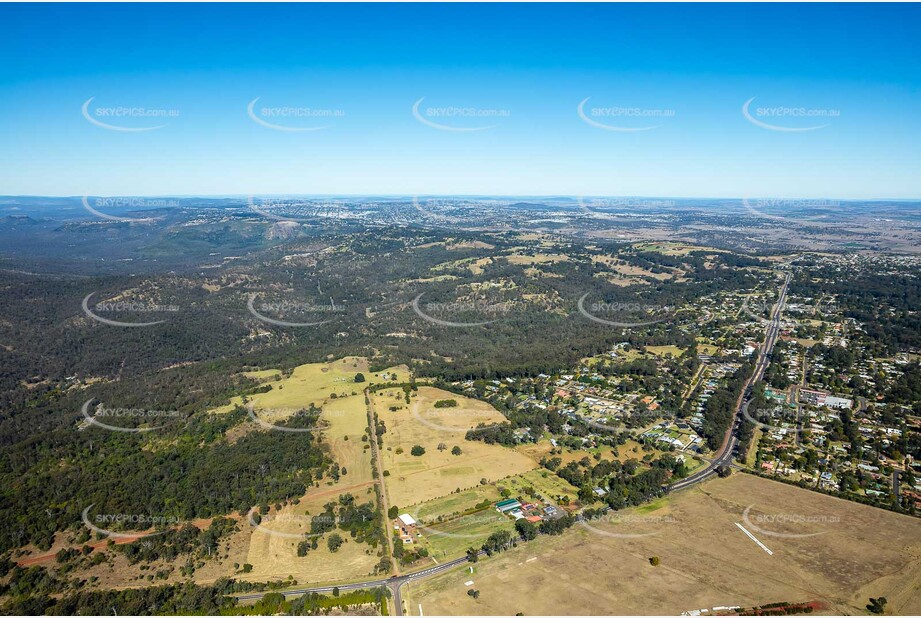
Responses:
[199,474]
[179,599]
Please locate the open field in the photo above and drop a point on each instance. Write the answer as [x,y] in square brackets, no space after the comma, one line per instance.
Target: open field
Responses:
[537,258]
[454,504]
[542,448]
[623,273]
[412,479]
[475,265]
[433,279]
[663,350]
[673,248]
[545,483]
[545,240]
[536,273]
[478,266]
[631,449]
[263,374]
[315,383]
[455,244]
[274,556]
[451,539]
[855,552]
[118,571]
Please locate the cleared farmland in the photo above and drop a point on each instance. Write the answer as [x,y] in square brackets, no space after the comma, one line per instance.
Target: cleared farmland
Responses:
[416,479]
[272,548]
[842,554]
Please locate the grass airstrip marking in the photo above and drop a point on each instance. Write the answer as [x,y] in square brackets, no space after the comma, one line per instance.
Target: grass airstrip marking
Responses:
[752,537]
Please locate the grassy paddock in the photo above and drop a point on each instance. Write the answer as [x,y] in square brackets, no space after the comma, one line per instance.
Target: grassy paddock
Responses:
[705,560]
[417,479]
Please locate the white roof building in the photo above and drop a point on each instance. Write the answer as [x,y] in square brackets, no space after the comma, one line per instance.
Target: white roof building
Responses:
[838,402]
[407,519]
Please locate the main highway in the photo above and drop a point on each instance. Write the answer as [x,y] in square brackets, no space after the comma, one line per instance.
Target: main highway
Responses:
[723,457]
[725,454]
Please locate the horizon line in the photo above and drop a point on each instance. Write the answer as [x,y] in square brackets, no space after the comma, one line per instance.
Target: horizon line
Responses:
[464,195]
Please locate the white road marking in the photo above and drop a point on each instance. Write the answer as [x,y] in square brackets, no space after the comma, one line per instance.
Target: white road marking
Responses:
[752,537]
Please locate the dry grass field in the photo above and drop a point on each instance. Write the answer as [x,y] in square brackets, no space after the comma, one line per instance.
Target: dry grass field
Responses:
[537,258]
[855,552]
[413,480]
[627,273]
[475,265]
[263,374]
[314,383]
[674,248]
[457,244]
[344,415]
[274,556]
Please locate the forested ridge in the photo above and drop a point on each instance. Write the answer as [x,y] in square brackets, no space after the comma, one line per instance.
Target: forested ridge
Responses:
[195,472]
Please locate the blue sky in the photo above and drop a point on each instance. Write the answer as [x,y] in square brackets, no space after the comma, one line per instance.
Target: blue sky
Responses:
[853,70]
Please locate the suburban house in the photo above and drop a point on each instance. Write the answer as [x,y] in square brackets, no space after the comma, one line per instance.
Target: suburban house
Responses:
[406,526]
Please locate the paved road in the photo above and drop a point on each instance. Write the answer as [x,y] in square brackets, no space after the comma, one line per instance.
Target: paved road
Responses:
[393,583]
[730,441]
